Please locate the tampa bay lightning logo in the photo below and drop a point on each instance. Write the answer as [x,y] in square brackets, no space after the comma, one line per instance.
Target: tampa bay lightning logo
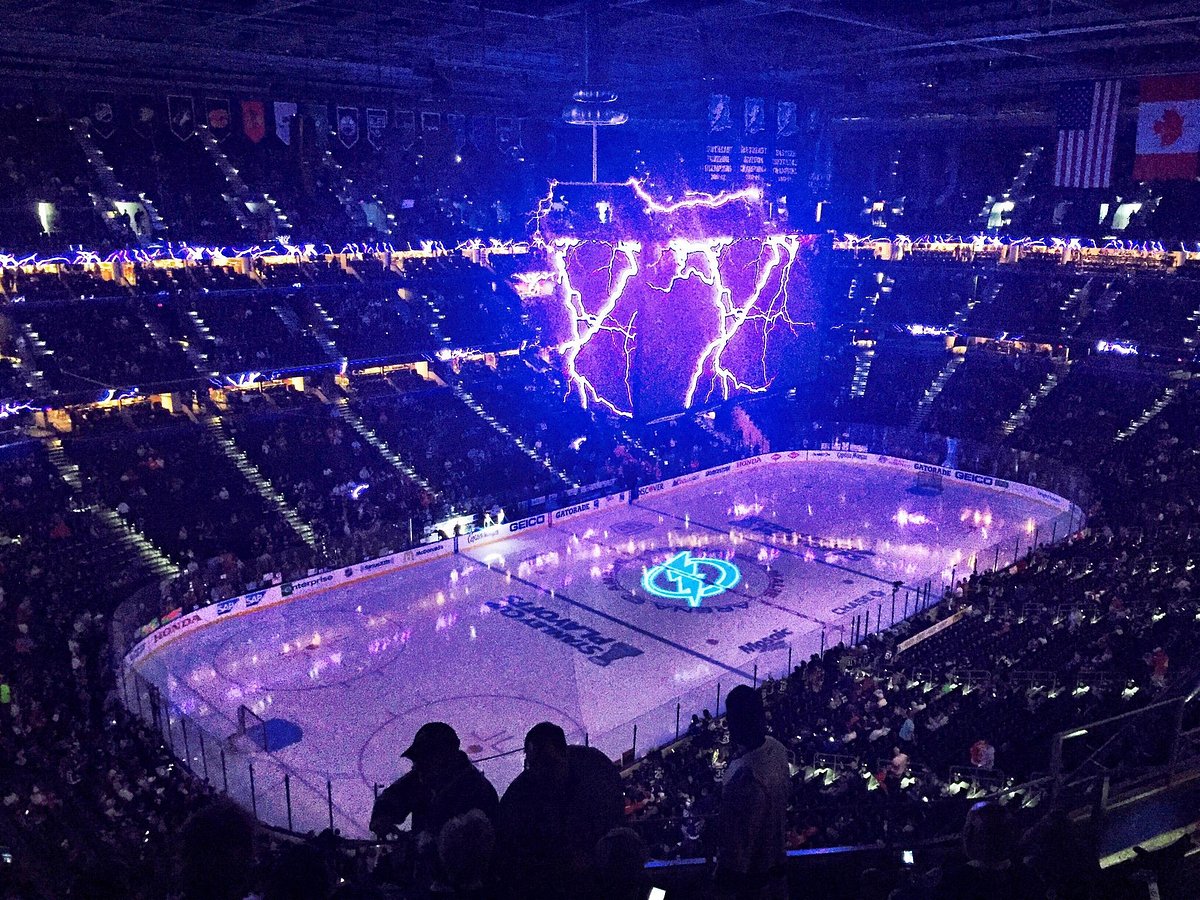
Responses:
[690,578]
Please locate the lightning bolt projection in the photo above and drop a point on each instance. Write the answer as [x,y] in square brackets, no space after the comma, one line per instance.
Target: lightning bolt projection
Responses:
[670,312]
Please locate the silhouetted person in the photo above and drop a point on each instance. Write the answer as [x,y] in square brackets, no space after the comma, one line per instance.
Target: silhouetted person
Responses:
[553,814]
[442,784]
[751,854]
[989,871]
[1056,853]
[216,847]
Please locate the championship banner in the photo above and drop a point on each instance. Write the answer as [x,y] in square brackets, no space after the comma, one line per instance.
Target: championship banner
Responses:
[787,134]
[720,118]
[376,126]
[347,125]
[218,116]
[753,165]
[284,114]
[761,146]
[406,124]
[102,111]
[430,121]
[181,112]
[142,114]
[718,162]
[254,120]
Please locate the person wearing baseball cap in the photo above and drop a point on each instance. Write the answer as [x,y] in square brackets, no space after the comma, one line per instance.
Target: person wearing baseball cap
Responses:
[441,785]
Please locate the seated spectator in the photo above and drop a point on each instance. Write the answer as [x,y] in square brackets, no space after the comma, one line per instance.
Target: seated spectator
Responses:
[465,847]
[988,870]
[983,754]
[621,866]
[553,814]
[1055,852]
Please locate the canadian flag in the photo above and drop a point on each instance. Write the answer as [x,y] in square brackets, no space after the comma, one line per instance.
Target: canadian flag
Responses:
[1168,135]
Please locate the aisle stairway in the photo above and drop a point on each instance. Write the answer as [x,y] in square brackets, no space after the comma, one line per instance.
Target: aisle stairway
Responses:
[197,358]
[260,482]
[931,393]
[958,323]
[1164,400]
[368,434]
[127,535]
[343,189]
[325,333]
[114,190]
[544,459]
[240,192]
[34,347]
[863,357]
[1021,414]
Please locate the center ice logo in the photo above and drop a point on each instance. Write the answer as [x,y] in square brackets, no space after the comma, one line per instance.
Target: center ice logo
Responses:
[690,578]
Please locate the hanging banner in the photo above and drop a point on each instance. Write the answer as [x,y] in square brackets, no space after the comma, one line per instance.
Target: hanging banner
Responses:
[506,133]
[406,124]
[181,111]
[141,114]
[787,132]
[322,129]
[754,116]
[753,164]
[284,114]
[481,127]
[718,162]
[720,117]
[431,121]
[218,116]
[103,115]
[376,126]
[347,125]
[254,120]
[457,123]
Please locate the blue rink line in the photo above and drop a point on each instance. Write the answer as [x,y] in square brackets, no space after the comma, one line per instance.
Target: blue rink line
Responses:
[779,547]
[558,595]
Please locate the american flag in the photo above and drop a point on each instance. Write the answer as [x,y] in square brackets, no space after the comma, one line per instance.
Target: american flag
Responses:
[1087,124]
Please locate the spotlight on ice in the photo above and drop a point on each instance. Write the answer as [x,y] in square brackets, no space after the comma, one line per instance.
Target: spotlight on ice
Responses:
[904,518]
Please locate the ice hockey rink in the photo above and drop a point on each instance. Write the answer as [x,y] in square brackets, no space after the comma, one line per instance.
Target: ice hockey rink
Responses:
[630,614]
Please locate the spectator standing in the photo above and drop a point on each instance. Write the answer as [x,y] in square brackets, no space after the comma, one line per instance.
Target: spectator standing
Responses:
[554,813]
[751,855]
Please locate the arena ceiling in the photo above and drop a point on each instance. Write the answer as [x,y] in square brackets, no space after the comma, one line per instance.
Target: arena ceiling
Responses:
[849,57]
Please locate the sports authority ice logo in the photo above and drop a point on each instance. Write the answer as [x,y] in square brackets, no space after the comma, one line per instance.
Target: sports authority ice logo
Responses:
[690,578]
[598,648]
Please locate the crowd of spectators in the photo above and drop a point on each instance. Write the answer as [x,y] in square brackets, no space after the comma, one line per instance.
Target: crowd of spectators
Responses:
[884,746]
[362,505]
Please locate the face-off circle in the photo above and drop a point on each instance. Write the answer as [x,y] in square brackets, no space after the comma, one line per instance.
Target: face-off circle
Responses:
[702,581]
[319,648]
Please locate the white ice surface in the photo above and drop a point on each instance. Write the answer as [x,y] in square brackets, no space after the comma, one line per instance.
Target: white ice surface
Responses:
[361,668]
